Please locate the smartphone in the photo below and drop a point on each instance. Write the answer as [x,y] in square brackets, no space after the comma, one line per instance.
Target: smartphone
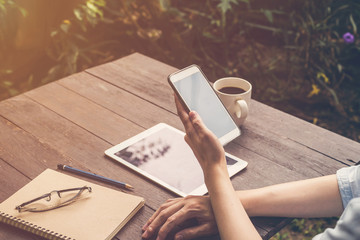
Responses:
[196,94]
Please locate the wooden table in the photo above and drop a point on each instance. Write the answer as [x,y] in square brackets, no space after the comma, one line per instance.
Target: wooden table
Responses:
[75,119]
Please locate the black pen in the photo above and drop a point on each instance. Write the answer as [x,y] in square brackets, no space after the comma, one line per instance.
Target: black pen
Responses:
[95,176]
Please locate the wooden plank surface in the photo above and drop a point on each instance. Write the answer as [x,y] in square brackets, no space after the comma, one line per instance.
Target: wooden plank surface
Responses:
[296,151]
[261,116]
[257,137]
[75,119]
[147,82]
[82,148]
[125,104]
[313,137]
[11,180]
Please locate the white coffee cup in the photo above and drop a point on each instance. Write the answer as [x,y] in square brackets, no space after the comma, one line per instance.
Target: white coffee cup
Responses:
[236,101]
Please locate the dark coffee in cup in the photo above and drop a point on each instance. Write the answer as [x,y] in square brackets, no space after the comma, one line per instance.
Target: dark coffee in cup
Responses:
[235,94]
[231,90]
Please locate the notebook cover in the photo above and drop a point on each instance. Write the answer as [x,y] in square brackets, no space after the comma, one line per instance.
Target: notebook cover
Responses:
[98,215]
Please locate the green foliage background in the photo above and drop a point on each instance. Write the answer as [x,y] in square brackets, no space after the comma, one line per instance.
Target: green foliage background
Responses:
[293,52]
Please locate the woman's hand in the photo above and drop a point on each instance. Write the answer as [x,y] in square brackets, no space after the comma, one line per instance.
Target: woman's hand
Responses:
[205,145]
[175,216]
[232,220]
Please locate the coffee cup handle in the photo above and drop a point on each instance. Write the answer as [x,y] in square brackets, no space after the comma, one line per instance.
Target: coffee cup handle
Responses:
[242,110]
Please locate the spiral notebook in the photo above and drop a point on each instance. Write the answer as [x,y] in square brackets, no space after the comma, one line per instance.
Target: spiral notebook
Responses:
[99,215]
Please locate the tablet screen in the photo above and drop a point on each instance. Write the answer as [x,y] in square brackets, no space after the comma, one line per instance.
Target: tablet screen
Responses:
[161,154]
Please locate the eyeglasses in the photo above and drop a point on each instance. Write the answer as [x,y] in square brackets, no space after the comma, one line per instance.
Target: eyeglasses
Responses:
[65,197]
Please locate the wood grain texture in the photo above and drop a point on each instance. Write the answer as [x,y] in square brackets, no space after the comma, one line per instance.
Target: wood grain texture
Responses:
[42,128]
[75,119]
[145,80]
[83,112]
[267,141]
[11,179]
[81,148]
[23,151]
[80,82]
[127,105]
[272,148]
[318,139]
[12,233]
[121,73]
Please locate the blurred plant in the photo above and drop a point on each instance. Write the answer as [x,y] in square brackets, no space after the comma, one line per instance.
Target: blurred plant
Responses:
[7,8]
[304,53]
[304,228]
[208,31]
[294,53]
[328,42]
[83,39]
[280,236]
[70,45]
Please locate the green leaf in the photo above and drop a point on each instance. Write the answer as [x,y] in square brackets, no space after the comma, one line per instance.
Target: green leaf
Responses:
[81,37]
[65,27]
[7,83]
[225,5]
[2,7]
[78,14]
[353,23]
[101,3]
[340,67]
[164,4]
[209,35]
[23,12]
[94,8]
[269,15]
[6,71]
[13,92]
[216,23]
[53,33]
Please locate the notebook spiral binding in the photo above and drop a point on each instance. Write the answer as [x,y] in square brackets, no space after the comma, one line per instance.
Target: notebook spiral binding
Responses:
[24,225]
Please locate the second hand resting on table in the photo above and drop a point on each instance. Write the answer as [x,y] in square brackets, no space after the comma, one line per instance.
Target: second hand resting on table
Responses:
[227,209]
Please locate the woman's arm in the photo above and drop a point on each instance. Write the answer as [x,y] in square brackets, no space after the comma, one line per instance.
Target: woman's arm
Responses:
[317,197]
[231,218]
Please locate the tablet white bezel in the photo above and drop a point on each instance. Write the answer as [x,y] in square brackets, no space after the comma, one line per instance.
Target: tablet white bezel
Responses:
[200,190]
[190,70]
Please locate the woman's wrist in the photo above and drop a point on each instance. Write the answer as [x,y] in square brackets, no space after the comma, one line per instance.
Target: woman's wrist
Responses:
[216,176]
[212,170]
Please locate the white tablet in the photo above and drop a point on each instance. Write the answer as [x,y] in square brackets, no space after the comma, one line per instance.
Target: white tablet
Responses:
[161,154]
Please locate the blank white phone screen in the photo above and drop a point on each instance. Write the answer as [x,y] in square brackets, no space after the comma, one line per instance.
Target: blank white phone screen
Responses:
[198,96]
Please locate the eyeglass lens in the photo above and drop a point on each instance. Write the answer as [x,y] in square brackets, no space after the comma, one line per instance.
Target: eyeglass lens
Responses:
[53,200]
